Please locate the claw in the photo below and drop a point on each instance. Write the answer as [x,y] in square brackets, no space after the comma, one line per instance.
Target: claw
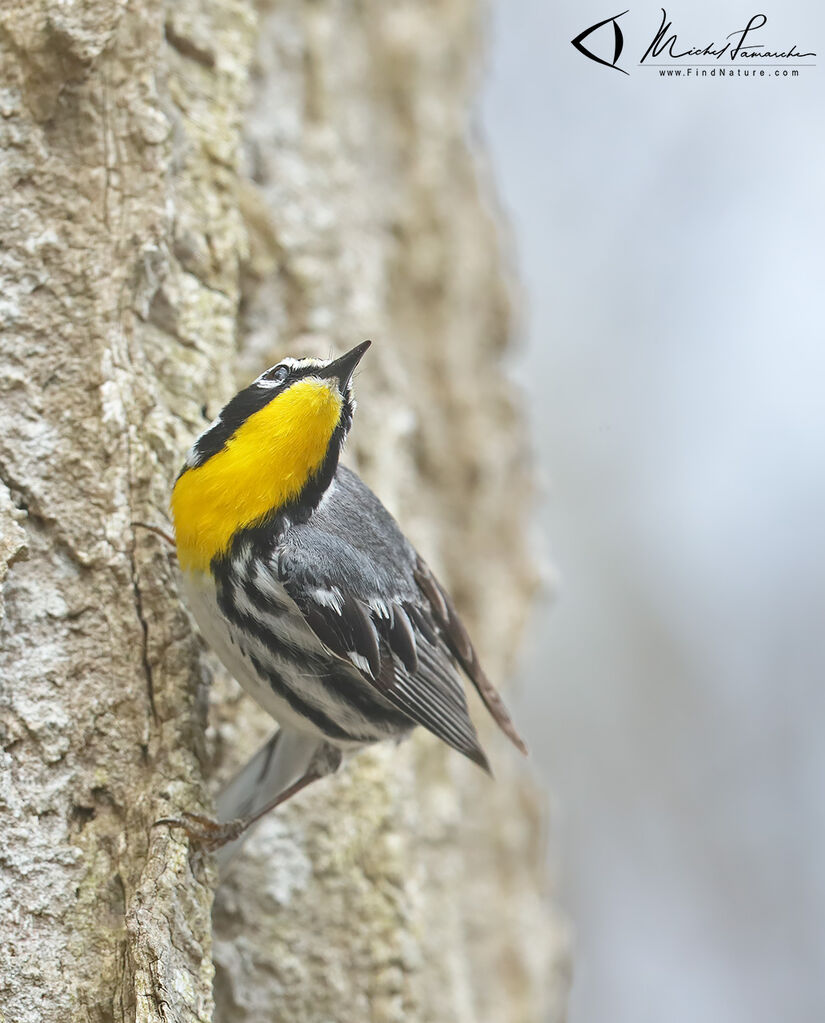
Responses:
[203,831]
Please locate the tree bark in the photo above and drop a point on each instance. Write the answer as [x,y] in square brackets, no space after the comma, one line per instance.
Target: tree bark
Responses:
[188,192]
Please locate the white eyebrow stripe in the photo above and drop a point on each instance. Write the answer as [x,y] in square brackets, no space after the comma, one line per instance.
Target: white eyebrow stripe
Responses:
[300,363]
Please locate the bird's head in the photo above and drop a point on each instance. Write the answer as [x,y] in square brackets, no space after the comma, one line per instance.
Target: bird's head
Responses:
[271,452]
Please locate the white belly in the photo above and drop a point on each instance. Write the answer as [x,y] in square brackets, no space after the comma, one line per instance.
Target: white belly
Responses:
[201,599]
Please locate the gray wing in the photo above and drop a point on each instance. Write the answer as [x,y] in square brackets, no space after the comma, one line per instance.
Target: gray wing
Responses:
[371,600]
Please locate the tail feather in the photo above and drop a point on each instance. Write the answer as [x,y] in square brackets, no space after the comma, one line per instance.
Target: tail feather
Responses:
[278,763]
[458,641]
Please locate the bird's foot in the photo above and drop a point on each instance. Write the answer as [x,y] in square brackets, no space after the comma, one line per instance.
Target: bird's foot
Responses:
[204,832]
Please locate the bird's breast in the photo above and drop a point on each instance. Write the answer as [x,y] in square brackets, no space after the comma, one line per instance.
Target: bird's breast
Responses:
[238,652]
[264,466]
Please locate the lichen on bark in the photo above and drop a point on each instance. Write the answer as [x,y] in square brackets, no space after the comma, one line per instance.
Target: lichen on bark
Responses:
[188,192]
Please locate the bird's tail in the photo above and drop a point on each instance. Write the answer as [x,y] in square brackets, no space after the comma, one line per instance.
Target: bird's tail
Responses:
[278,763]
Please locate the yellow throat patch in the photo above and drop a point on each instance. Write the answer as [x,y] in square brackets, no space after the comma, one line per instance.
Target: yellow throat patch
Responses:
[264,466]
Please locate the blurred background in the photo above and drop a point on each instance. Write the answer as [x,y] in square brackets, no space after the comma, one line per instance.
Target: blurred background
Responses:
[669,237]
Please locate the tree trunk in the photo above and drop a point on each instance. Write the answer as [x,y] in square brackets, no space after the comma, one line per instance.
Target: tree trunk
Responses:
[187,193]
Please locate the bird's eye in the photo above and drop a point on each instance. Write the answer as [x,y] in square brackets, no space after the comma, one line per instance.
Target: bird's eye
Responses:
[276,375]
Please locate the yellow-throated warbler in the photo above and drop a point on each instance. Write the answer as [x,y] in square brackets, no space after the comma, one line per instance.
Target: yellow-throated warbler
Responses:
[310,594]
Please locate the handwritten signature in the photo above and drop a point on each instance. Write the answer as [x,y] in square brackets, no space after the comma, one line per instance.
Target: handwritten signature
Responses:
[737,47]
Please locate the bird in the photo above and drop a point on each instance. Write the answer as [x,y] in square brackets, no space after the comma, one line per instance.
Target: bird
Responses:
[310,594]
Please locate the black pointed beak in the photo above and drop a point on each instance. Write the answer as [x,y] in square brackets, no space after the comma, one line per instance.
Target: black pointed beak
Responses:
[343,368]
